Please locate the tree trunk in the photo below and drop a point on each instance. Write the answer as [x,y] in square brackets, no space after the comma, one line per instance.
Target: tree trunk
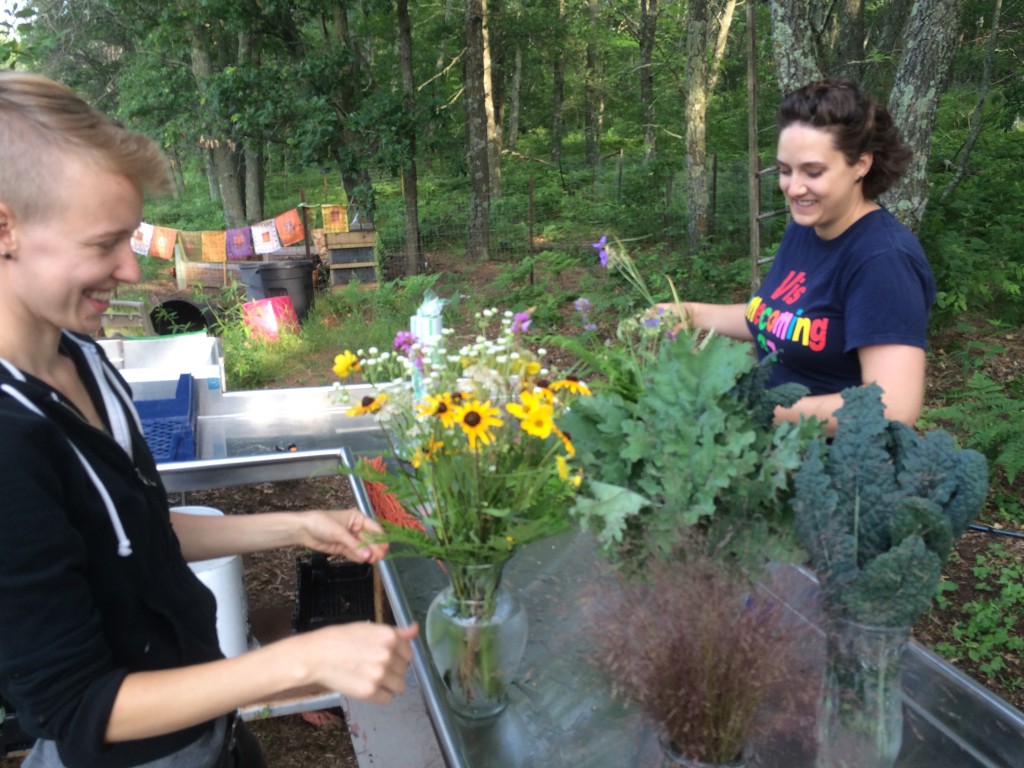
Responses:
[792,39]
[514,96]
[931,32]
[356,181]
[592,94]
[722,40]
[696,113]
[223,159]
[255,176]
[558,89]
[493,129]
[410,192]
[476,135]
[850,43]
[648,27]
[979,106]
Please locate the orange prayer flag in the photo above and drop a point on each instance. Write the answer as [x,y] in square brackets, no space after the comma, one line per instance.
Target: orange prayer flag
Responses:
[215,246]
[162,244]
[192,245]
[289,227]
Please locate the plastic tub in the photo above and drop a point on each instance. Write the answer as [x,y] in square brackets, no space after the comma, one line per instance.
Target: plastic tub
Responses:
[181,316]
[224,577]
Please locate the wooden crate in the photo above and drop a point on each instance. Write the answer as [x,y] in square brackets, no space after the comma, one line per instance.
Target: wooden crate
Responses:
[351,257]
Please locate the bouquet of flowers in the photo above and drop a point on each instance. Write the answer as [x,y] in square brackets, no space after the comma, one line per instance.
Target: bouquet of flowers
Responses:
[480,460]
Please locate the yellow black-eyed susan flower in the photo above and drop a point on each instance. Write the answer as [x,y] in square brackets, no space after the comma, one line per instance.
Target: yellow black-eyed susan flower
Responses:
[442,406]
[535,413]
[572,384]
[476,420]
[367,405]
[575,479]
[346,364]
[570,449]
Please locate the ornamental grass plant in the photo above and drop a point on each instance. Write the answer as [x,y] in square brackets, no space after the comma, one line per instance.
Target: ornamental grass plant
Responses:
[713,662]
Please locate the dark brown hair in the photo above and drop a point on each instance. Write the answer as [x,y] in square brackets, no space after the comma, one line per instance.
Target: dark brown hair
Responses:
[858,124]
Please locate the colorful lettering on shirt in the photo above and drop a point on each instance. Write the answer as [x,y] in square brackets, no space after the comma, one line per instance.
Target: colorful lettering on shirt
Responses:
[785,325]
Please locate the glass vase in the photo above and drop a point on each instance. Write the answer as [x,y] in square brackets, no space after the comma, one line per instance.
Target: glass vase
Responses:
[675,757]
[860,716]
[476,631]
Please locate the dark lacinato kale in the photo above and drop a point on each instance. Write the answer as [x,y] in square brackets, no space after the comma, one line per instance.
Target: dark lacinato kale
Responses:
[880,508]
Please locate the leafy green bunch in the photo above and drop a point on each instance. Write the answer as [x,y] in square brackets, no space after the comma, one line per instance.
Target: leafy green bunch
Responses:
[692,444]
[880,508]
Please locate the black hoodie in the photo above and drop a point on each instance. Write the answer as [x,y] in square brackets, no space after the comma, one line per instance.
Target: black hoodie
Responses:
[93,584]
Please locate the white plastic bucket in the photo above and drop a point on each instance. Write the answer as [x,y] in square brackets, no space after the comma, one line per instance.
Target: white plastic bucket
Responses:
[224,577]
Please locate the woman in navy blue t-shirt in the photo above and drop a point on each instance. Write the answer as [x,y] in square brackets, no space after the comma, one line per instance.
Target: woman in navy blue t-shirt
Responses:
[847,298]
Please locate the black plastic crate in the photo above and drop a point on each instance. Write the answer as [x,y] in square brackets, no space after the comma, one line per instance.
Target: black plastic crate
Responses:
[331,593]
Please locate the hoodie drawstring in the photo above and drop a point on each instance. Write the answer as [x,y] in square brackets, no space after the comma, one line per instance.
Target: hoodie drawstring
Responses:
[124,544]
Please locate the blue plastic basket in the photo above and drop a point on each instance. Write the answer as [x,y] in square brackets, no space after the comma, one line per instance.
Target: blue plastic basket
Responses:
[169,425]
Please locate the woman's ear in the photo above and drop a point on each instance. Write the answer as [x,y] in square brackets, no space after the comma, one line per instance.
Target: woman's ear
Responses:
[8,237]
[863,164]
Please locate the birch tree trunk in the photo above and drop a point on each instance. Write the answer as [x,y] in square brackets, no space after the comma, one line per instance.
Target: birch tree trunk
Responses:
[931,32]
[721,41]
[476,135]
[490,108]
[696,113]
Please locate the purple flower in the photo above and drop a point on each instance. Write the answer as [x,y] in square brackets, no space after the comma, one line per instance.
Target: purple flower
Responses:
[404,341]
[590,326]
[602,248]
[521,322]
[582,305]
[651,322]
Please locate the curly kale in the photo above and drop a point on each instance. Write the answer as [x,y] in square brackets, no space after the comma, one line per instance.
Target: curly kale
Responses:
[880,508]
[695,447]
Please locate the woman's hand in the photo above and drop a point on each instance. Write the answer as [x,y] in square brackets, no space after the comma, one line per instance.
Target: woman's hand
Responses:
[362,660]
[341,532]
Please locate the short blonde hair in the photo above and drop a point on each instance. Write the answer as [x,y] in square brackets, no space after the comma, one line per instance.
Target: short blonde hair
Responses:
[42,124]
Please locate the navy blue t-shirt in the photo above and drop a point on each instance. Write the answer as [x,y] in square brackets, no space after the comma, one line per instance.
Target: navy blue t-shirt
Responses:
[823,299]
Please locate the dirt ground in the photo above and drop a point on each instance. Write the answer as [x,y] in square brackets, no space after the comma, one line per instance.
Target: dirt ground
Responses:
[294,742]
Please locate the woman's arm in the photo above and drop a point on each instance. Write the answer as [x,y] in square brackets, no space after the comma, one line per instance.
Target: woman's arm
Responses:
[361,660]
[336,532]
[725,319]
[898,369]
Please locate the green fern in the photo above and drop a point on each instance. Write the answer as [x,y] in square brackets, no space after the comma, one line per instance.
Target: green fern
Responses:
[990,420]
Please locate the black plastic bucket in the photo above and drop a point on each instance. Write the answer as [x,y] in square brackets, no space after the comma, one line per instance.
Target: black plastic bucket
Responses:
[293,279]
[249,275]
[181,316]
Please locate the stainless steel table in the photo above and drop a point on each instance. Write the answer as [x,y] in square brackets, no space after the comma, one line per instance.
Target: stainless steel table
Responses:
[561,712]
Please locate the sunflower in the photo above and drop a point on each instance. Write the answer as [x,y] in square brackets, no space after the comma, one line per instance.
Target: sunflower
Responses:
[476,420]
[535,413]
[367,405]
[346,364]
[442,406]
[572,384]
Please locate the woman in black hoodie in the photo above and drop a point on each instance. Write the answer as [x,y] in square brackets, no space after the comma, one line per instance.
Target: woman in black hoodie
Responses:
[108,644]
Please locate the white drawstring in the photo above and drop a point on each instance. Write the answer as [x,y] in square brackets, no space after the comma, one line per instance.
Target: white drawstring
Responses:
[124,544]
